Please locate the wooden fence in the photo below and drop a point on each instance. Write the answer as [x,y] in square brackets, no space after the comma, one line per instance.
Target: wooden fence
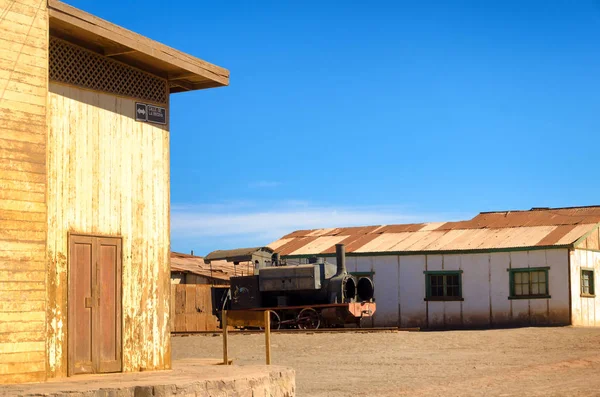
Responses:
[191,308]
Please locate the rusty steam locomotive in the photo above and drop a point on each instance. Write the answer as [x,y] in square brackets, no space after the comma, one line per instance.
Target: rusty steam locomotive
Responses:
[305,296]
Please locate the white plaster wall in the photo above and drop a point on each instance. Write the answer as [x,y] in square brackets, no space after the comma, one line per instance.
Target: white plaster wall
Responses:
[586,310]
[558,306]
[500,289]
[411,284]
[476,289]
[386,281]
[485,288]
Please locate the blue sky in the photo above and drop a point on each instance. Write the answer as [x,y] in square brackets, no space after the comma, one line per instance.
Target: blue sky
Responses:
[349,112]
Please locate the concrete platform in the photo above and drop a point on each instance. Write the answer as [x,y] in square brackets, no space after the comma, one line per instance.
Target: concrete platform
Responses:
[189,377]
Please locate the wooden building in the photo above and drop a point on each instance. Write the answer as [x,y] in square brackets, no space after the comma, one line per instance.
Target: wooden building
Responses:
[192,282]
[191,269]
[499,269]
[84,192]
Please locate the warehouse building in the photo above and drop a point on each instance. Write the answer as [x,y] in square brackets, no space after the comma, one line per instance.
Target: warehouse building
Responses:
[499,269]
[191,269]
[218,266]
[84,192]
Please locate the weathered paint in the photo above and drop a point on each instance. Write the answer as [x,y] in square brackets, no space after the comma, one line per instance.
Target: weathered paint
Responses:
[108,175]
[400,289]
[23,90]
[586,310]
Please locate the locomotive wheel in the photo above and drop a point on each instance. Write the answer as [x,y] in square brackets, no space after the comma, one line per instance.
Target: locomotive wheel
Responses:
[308,318]
[275,320]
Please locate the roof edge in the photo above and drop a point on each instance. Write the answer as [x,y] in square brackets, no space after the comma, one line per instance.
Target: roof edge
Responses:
[585,236]
[446,252]
[135,42]
[542,209]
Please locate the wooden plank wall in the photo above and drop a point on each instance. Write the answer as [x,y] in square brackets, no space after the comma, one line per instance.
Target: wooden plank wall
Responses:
[109,175]
[192,308]
[23,92]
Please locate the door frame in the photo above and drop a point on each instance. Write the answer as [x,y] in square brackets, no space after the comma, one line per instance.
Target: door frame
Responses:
[119,316]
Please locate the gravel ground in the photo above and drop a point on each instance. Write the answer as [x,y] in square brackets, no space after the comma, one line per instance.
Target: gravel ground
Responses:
[512,362]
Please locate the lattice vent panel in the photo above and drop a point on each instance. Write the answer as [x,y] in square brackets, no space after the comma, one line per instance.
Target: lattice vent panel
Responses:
[71,64]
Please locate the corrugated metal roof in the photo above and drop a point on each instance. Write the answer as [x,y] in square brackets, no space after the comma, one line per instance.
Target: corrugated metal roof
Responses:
[538,227]
[236,255]
[221,269]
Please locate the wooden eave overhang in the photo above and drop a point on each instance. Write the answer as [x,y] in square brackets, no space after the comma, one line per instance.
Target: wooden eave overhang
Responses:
[183,71]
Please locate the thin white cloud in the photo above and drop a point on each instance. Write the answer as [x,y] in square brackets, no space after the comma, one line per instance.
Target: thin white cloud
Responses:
[259,225]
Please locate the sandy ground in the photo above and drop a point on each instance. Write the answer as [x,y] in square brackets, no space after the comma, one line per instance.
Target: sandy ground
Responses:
[514,362]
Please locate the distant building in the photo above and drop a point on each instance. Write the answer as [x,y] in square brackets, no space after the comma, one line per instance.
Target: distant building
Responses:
[245,260]
[190,269]
[507,268]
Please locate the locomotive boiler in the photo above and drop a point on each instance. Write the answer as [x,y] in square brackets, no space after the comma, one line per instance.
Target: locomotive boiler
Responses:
[305,296]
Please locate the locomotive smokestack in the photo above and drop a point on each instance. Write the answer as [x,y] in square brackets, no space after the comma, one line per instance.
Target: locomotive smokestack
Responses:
[340,256]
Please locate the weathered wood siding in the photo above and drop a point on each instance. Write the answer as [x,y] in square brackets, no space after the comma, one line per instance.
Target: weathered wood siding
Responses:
[109,175]
[586,310]
[23,91]
[192,308]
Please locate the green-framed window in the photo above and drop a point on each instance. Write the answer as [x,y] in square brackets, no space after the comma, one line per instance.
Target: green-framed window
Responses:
[529,283]
[587,283]
[445,285]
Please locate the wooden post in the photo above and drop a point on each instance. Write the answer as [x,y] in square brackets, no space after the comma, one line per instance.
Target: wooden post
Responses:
[268,336]
[224,325]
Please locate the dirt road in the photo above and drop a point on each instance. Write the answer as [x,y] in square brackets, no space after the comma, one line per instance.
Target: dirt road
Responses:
[516,362]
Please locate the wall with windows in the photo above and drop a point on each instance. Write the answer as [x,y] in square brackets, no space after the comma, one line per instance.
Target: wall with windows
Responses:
[494,289]
[585,270]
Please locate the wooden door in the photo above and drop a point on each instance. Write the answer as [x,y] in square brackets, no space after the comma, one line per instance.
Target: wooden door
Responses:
[94,303]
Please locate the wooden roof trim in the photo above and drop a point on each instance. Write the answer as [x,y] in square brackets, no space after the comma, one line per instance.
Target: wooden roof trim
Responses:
[136,42]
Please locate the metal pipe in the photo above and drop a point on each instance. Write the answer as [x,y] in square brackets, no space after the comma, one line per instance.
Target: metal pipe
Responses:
[340,256]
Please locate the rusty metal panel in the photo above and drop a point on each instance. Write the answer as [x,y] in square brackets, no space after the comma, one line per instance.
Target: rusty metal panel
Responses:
[576,233]
[81,281]
[322,232]
[447,239]
[408,243]
[383,242]
[295,244]
[276,244]
[489,231]
[409,227]
[319,245]
[426,238]
[353,242]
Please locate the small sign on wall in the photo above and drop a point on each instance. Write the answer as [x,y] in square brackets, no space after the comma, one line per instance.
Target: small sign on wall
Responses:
[150,113]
